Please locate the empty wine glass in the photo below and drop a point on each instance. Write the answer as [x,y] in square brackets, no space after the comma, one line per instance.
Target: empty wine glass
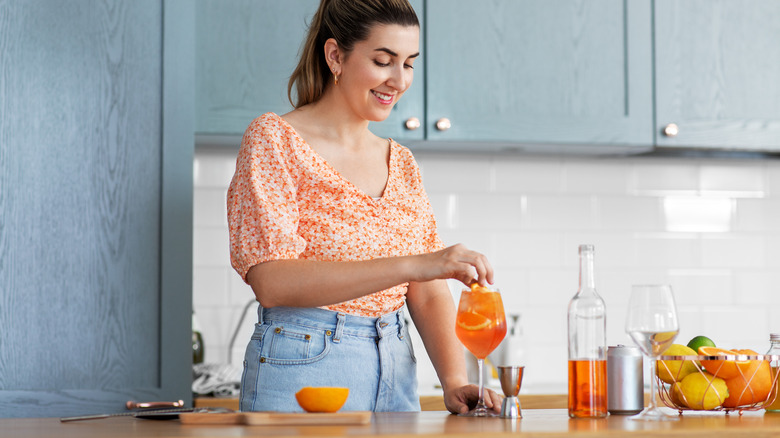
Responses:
[652,324]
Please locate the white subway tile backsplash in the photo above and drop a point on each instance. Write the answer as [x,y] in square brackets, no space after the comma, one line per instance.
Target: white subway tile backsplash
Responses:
[757,215]
[513,175]
[611,249]
[596,177]
[741,179]
[772,169]
[733,251]
[673,250]
[214,168]
[210,287]
[662,176]
[491,211]
[695,286]
[210,207]
[565,212]
[529,249]
[624,213]
[757,288]
[456,174]
[210,246]
[528,215]
[551,288]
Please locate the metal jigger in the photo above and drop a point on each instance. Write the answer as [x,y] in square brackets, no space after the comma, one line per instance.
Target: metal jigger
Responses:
[511,377]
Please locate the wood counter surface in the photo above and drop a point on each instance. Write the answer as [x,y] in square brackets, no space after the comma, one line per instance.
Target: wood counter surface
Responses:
[548,423]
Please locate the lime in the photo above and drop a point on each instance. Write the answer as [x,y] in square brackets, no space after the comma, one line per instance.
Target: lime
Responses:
[703,391]
[671,371]
[700,341]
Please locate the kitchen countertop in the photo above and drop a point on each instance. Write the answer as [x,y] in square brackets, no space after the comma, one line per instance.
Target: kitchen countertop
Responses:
[548,423]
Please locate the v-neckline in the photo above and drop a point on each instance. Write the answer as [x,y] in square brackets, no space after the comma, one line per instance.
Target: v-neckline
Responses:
[337,174]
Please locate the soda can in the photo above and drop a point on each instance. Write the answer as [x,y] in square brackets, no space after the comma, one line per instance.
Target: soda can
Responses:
[625,380]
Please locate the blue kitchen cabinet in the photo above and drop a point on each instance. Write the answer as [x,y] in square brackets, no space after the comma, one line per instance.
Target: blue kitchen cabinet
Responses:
[246,51]
[538,74]
[718,74]
[96,119]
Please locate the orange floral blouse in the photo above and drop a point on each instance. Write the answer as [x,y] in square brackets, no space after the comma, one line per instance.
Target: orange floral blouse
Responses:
[286,202]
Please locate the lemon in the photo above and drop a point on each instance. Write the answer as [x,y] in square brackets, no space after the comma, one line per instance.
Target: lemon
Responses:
[703,391]
[700,341]
[671,371]
[675,395]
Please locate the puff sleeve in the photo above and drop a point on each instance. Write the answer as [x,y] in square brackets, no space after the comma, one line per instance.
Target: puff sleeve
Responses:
[261,201]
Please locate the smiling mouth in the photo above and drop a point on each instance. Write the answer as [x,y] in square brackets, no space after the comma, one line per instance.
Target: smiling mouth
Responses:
[384,98]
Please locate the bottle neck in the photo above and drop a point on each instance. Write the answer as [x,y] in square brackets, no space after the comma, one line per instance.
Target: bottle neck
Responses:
[587,279]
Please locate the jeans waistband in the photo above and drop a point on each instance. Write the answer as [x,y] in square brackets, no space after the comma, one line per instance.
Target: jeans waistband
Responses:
[340,323]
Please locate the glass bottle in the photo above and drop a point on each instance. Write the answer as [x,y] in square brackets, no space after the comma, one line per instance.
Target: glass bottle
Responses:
[197,341]
[587,323]
[774,349]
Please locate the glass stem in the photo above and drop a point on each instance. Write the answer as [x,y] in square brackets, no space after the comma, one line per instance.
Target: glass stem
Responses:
[481,385]
[652,382]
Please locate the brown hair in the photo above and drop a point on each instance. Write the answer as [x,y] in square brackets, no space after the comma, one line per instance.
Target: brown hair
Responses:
[348,22]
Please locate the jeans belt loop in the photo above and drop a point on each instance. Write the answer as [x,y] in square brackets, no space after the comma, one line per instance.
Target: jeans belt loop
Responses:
[260,314]
[341,319]
[401,323]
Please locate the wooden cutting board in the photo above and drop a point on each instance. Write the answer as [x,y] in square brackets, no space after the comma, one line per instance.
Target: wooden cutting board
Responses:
[276,418]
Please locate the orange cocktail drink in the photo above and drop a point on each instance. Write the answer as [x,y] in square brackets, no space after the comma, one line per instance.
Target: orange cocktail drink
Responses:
[480,325]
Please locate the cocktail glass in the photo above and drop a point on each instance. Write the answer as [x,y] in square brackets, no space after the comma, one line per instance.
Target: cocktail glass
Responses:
[480,325]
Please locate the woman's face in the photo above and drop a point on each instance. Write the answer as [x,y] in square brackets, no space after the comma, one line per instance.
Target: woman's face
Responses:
[378,70]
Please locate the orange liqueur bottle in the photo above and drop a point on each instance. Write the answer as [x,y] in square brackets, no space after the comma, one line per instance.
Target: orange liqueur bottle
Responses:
[587,324]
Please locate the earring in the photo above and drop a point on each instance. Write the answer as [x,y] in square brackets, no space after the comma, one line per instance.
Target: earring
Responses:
[335,79]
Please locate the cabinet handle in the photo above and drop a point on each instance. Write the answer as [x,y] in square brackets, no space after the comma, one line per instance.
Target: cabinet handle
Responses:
[412,123]
[443,124]
[671,130]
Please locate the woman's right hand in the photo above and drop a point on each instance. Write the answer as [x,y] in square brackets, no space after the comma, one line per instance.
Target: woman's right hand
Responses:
[456,262]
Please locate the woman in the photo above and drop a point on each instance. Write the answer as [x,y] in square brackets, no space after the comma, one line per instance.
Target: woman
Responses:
[331,227]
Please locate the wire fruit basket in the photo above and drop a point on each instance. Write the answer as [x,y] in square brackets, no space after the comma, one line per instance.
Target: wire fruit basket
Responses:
[724,383]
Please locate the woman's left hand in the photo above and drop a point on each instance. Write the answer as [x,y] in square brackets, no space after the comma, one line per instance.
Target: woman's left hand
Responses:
[461,400]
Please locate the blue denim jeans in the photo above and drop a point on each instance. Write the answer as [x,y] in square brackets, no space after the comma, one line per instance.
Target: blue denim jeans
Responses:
[296,347]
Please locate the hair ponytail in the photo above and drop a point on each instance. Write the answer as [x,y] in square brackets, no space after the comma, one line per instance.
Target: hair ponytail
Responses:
[348,22]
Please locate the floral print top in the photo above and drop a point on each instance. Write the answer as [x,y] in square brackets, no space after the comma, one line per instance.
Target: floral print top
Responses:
[286,202]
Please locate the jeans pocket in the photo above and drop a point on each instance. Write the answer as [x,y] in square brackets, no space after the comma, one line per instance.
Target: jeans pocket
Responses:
[406,339]
[294,345]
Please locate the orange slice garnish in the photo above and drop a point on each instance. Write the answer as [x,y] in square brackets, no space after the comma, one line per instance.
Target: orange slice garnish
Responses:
[472,321]
[475,287]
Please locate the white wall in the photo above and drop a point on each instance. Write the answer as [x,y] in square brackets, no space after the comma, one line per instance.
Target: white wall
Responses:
[707,226]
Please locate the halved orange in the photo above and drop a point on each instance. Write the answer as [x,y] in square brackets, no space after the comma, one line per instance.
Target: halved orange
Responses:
[725,369]
[472,321]
[322,398]
[753,385]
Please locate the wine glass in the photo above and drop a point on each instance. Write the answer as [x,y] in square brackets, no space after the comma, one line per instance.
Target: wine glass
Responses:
[652,324]
[480,325]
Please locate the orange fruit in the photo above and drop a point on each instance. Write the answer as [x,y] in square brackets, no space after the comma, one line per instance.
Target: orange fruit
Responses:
[472,321]
[475,287]
[322,398]
[752,385]
[725,369]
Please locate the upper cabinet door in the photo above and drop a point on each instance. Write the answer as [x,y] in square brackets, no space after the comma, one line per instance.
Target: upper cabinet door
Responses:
[245,53]
[539,72]
[718,73]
